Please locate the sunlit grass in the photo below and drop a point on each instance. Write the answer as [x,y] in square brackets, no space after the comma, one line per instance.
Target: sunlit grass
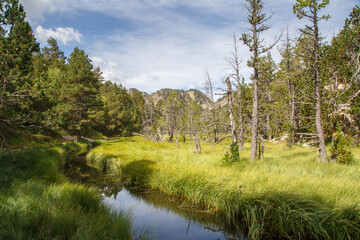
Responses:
[289,194]
[37,201]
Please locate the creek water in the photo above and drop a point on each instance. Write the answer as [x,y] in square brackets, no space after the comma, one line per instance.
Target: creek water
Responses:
[153,212]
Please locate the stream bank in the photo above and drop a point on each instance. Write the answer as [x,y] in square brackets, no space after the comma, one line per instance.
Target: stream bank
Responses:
[159,215]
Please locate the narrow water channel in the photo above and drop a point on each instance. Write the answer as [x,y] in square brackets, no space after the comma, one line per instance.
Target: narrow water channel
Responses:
[154,212]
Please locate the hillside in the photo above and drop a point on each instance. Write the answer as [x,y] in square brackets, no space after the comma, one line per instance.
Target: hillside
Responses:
[182,96]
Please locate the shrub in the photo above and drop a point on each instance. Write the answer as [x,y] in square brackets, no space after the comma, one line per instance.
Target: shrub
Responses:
[340,143]
[233,155]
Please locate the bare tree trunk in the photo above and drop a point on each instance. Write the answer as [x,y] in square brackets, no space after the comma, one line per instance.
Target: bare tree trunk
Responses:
[231,112]
[291,90]
[254,121]
[314,35]
[268,126]
[256,19]
[197,143]
[234,62]
[78,136]
[292,113]
[318,124]
[177,142]
[209,91]
[254,116]
[171,136]
[157,136]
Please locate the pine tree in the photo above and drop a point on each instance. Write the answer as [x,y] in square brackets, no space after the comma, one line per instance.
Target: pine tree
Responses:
[257,21]
[122,116]
[53,55]
[267,68]
[79,94]
[286,76]
[17,46]
[310,10]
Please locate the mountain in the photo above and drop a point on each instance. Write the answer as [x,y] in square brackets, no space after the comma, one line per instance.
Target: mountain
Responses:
[182,96]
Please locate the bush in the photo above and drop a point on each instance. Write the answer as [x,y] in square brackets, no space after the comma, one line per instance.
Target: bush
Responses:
[340,143]
[233,155]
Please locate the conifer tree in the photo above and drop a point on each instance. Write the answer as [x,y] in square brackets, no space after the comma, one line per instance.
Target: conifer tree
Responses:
[287,78]
[17,46]
[310,10]
[267,68]
[53,55]
[256,19]
[122,116]
[79,94]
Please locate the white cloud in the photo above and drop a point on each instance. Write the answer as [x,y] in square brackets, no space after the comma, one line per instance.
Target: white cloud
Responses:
[36,10]
[173,41]
[176,58]
[64,35]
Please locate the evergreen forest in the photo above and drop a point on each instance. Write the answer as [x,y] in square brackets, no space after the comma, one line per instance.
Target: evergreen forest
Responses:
[306,104]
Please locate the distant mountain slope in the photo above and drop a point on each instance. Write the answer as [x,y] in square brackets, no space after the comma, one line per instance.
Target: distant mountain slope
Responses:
[182,95]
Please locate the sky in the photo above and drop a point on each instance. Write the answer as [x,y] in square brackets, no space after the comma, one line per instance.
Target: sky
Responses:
[154,44]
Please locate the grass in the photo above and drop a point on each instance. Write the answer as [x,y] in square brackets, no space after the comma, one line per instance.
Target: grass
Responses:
[37,201]
[288,195]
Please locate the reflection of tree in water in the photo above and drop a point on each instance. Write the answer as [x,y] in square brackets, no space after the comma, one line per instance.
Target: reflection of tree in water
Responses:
[112,189]
[78,171]
[193,213]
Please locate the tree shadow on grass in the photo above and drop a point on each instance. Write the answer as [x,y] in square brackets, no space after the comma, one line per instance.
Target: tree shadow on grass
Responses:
[279,215]
[139,172]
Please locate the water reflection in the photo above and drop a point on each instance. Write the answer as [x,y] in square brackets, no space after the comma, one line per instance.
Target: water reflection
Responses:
[166,218]
[162,217]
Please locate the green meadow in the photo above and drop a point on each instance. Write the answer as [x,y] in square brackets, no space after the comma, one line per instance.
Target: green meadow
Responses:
[38,202]
[287,195]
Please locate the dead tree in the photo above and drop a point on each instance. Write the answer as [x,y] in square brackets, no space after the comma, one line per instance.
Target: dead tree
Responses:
[193,115]
[229,94]
[157,136]
[208,85]
[234,63]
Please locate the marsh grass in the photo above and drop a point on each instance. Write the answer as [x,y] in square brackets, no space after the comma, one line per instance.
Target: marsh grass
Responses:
[37,201]
[289,194]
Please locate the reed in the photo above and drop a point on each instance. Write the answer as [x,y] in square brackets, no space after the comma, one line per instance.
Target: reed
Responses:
[38,202]
[287,195]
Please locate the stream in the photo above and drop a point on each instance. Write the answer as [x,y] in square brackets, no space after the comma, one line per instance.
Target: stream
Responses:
[151,211]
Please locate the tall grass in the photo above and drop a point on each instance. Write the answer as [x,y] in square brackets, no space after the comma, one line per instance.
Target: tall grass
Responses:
[37,201]
[288,195]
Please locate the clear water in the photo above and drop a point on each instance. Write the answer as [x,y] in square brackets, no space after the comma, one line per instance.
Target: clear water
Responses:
[153,212]
[164,218]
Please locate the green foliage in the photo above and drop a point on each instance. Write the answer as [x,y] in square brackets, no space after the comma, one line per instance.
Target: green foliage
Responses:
[182,136]
[289,195]
[37,202]
[340,143]
[121,116]
[355,113]
[35,209]
[53,56]
[232,155]
[17,45]
[300,6]
[79,95]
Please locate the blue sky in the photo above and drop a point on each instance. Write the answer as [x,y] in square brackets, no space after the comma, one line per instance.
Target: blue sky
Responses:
[154,44]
